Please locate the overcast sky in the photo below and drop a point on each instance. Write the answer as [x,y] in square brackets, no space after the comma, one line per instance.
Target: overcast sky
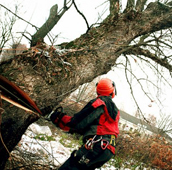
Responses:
[71,26]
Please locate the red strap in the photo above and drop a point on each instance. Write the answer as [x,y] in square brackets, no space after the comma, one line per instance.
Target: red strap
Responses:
[111,148]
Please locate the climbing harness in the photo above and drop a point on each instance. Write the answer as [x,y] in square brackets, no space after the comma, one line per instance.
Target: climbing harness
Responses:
[90,143]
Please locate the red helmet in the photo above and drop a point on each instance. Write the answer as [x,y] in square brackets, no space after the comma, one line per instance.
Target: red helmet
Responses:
[106,87]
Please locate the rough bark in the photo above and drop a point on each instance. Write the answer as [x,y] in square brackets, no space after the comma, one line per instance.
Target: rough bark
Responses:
[14,123]
[48,81]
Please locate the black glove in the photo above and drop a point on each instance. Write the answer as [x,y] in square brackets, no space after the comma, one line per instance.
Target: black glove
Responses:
[46,110]
[57,115]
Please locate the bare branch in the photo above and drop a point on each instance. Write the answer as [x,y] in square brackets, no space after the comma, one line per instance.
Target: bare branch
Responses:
[19,16]
[153,67]
[54,17]
[131,89]
[148,54]
[88,27]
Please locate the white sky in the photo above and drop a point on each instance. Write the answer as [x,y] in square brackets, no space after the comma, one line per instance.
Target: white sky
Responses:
[69,27]
[72,26]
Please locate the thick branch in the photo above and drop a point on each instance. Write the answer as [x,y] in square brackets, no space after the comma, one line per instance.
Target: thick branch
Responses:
[130,5]
[114,7]
[140,5]
[48,25]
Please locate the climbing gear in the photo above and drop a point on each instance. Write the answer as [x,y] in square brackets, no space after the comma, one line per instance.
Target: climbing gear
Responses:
[112,140]
[104,144]
[106,87]
[90,142]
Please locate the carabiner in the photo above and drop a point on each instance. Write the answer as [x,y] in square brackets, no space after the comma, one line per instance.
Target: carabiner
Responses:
[89,144]
[104,144]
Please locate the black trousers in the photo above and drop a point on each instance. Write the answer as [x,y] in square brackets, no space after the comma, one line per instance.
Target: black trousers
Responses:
[84,159]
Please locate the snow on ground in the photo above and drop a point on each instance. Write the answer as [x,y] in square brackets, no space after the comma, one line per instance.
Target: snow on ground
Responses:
[53,151]
[49,152]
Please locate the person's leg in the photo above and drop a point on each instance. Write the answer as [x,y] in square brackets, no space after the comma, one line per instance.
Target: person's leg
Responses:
[104,157]
[78,160]
[91,159]
[70,163]
[84,159]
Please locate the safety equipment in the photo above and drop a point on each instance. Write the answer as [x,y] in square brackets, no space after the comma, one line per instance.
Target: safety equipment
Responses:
[106,87]
[90,142]
[57,115]
[59,118]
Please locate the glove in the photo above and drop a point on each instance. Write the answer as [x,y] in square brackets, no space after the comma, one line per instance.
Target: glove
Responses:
[46,110]
[57,115]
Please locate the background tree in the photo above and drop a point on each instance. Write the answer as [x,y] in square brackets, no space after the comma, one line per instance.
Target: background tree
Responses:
[165,124]
[7,23]
[141,34]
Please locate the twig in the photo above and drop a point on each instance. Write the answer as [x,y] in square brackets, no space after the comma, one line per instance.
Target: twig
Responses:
[88,27]
[19,16]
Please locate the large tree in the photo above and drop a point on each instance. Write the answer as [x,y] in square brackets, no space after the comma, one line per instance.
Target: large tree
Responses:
[141,31]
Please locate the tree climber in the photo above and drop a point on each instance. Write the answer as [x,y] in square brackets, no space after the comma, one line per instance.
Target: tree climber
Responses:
[98,123]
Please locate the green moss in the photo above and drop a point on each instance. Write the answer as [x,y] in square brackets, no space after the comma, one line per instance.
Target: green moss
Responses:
[44,137]
[70,141]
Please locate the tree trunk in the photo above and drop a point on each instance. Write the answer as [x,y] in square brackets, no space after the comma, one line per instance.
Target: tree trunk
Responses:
[14,124]
[49,80]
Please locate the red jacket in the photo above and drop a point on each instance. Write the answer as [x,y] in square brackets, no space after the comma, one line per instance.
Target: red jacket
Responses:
[99,117]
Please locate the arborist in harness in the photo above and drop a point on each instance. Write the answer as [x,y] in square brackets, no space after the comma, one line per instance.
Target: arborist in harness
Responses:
[98,123]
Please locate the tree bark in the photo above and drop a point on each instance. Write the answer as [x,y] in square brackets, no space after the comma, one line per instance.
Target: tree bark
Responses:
[14,124]
[48,81]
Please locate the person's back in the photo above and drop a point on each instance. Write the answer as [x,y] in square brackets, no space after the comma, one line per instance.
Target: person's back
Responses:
[98,123]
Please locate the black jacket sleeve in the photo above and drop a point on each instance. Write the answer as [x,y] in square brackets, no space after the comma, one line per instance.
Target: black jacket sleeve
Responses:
[85,123]
[83,119]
